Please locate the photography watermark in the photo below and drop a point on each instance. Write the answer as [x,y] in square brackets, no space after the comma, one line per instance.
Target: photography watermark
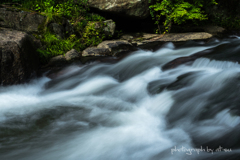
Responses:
[190,151]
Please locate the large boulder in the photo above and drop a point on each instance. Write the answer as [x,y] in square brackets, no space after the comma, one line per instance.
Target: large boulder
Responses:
[18,57]
[132,8]
[18,19]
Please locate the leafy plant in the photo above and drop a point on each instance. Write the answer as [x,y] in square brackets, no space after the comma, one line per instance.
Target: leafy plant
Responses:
[55,46]
[93,34]
[88,27]
[177,11]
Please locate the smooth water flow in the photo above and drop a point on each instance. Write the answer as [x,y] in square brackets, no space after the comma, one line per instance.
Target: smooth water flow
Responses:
[130,110]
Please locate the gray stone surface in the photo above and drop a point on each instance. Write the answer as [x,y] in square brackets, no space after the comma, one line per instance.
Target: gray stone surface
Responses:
[94,51]
[20,20]
[116,46]
[72,55]
[18,57]
[131,8]
[109,27]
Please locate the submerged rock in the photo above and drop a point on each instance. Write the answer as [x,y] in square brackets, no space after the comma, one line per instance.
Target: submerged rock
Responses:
[57,61]
[18,57]
[61,60]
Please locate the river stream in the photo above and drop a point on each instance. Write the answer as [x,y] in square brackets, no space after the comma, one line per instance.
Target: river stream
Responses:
[129,110]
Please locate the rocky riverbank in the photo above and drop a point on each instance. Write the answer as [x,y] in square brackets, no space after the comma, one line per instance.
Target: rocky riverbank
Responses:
[18,45]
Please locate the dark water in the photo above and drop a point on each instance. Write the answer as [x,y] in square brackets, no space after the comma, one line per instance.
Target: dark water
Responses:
[131,110]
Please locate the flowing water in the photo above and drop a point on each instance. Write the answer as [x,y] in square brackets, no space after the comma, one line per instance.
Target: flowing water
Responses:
[130,110]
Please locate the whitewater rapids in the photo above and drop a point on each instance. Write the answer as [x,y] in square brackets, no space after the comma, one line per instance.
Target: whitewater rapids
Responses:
[130,110]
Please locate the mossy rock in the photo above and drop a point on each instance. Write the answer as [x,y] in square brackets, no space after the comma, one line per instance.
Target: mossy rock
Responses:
[18,19]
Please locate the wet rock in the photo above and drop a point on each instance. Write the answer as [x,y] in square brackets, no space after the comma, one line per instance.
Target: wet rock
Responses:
[183,80]
[116,46]
[176,37]
[106,49]
[62,60]
[158,86]
[94,51]
[146,40]
[182,60]
[72,55]
[57,61]
[18,19]
[18,57]
[130,8]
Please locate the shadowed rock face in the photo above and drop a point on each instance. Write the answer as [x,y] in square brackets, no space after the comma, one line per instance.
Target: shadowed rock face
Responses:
[132,8]
[20,20]
[18,57]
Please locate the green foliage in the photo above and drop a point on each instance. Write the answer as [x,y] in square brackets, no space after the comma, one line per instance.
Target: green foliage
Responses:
[94,17]
[88,27]
[87,33]
[55,46]
[177,11]
[67,8]
[93,33]
[230,21]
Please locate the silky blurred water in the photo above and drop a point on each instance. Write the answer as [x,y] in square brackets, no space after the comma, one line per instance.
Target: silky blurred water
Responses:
[130,110]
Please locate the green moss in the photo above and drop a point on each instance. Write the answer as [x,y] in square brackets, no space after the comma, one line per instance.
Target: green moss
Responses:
[93,33]
[87,33]
[230,22]
[57,18]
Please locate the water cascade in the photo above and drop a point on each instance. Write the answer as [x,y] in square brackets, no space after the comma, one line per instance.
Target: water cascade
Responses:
[129,110]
